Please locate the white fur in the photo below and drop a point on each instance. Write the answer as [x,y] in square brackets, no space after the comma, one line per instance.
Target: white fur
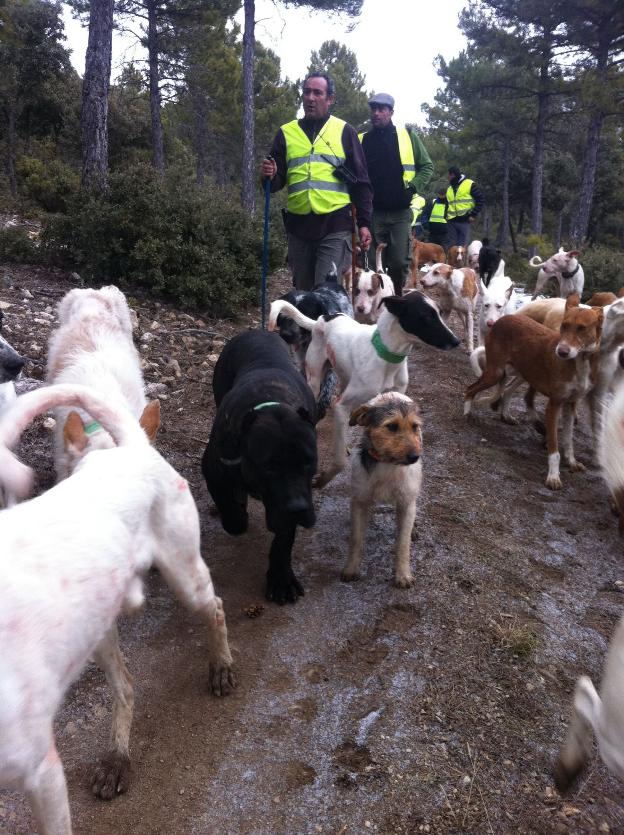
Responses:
[71,559]
[367,301]
[93,346]
[495,302]
[610,373]
[452,298]
[554,267]
[474,248]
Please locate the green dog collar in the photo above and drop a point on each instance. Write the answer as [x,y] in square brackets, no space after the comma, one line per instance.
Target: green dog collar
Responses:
[383,352]
[92,428]
[266,405]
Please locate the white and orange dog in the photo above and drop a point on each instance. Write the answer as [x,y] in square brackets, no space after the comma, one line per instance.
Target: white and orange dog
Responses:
[386,469]
[370,289]
[458,292]
[93,347]
[72,558]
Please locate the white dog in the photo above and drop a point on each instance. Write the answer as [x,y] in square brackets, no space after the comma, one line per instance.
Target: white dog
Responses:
[474,247]
[71,559]
[367,359]
[370,288]
[386,469]
[495,302]
[610,372]
[603,714]
[565,268]
[93,346]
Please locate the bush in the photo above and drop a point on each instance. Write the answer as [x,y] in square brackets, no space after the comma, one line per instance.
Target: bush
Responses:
[603,269]
[50,183]
[17,246]
[194,245]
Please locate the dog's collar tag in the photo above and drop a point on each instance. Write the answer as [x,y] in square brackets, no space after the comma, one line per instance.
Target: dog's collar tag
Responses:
[266,405]
[92,428]
[572,274]
[383,352]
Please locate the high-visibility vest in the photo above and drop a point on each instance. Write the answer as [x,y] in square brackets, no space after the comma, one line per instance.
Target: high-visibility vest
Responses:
[437,211]
[417,205]
[406,152]
[312,186]
[459,202]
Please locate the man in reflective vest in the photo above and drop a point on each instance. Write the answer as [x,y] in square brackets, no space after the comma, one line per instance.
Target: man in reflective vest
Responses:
[465,201]
[320,160]
[399,167]
[434,217]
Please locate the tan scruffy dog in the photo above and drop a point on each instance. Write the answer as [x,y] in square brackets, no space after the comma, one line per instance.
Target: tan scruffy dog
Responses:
[386,469]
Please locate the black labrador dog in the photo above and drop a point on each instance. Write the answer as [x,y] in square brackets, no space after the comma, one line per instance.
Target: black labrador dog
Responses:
[263,444]
[328,299]
[489,260]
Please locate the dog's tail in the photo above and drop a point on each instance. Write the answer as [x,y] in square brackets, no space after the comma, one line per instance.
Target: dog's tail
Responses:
[280,306]
[477,361]
[119,423]
[536,261]
[378,251]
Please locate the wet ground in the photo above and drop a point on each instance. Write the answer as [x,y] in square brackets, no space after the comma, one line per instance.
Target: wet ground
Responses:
[362,708]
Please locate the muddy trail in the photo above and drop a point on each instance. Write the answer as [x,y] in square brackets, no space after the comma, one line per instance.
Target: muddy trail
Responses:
[362,708]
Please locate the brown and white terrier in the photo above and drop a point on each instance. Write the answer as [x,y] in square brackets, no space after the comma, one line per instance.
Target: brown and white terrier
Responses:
[458,291]
[559,365]
[386,469]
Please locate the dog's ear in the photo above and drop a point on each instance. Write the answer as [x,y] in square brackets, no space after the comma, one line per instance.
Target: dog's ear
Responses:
[231,437]
[379,275]
[572,301]
[150,419]
[74,435]
[305,415]
[599,313]
[360,416]
[574,253]
[394,304]
[483,287]
[509,291]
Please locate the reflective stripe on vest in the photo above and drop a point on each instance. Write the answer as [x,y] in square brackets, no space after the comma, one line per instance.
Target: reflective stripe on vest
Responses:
[406,152]
[437,212]
[459,202]
[312,186]
[417,205]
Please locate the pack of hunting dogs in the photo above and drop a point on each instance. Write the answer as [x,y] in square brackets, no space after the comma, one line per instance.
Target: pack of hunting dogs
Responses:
[326,352]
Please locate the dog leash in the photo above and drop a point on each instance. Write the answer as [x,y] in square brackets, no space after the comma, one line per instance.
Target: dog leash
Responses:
[365,260]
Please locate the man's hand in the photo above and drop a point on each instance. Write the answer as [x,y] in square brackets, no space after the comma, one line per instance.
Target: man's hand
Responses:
[471,219]
[365,238]
[268,168]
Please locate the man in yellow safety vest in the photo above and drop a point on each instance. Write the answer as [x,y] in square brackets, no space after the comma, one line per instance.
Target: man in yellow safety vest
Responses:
[465,201]
[399,167]
[320,160]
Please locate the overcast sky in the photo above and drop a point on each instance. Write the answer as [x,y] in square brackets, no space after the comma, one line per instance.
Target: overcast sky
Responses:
[395,42]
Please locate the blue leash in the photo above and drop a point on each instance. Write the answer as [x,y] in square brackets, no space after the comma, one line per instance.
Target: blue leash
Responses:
[265,250]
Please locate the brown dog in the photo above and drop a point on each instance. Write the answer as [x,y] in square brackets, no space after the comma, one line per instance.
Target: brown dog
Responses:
[558,365]
[422,254]
[458,292]
[457,256]
[601,299]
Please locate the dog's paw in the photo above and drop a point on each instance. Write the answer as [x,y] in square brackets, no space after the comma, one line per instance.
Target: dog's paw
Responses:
[111,776]
[222,680]
[321,479]
[283,588]
[554,482]
[404,581]
[576,466]
[349,576]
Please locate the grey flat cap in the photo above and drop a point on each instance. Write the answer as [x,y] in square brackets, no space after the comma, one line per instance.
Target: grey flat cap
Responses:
[382,98]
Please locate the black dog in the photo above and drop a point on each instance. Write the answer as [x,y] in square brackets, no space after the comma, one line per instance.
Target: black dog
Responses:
[327,299]
[489,261]
[263,444]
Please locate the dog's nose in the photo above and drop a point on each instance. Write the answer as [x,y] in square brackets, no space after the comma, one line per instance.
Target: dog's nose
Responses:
[297,504]
[563,351]
[412,457]
[489,323]
[14,365]
[359,309]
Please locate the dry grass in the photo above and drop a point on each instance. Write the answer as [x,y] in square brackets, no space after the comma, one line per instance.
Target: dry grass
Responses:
[514,636]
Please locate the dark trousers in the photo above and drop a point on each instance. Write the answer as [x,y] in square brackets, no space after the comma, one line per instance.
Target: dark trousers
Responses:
[394,229]
[438,234]
[312,261]
[458,232]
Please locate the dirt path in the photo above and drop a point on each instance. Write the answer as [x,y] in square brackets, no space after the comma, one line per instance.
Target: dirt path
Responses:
[362,708]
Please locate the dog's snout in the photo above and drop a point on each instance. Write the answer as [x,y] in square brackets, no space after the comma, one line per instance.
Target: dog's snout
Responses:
[297,504]
[15,365]
[563,350]
[412,457]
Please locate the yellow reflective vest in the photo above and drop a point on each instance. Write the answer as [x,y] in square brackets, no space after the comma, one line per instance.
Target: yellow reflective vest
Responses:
[406,152]
[312,186]
[459,202]
[417,205]
[437,212]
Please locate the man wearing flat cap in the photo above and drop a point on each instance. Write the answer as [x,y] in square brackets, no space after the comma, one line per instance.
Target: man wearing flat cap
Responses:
[399,168]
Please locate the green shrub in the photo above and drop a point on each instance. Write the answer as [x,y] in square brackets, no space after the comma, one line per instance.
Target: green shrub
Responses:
[603,269]
[17,246]
[194,245]
[50,183]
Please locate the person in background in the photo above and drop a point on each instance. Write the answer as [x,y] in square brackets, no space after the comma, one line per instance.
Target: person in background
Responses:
[465,202]
[417,206]
[399,168]
[320,161]
[434,218]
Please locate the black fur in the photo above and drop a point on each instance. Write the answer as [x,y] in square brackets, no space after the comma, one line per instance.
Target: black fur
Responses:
[489,260]
[417,317]
[269,454]
[328,300]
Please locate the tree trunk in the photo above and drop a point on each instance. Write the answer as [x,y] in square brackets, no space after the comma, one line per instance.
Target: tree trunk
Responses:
[590,159]
[505,224]
[95,86]
[158,144]
[543,107]
[11,148]
[201,141]
[520,226]
[248,190]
